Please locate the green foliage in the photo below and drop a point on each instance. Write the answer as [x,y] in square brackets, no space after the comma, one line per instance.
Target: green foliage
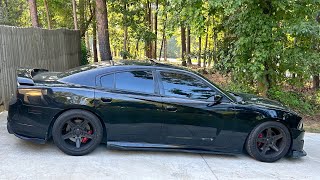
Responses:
[234,87]
[264,40]
[84,54]
[125,55]
[261,44]
[300,102]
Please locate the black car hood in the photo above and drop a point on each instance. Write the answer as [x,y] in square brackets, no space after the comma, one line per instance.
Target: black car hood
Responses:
[261,101]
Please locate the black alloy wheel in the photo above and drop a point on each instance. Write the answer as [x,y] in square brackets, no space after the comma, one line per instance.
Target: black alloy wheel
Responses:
[77,132]
[269,141]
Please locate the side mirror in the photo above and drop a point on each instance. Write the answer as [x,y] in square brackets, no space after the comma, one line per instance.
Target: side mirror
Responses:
[216,100]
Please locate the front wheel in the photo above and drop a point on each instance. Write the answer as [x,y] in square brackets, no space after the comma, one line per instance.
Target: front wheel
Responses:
[269,141]
[77,132]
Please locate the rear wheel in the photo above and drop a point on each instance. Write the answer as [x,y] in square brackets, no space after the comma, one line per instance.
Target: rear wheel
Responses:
[77,132]
[269,141]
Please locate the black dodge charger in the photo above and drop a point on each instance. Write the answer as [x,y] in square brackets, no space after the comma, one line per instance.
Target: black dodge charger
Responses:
[149,106]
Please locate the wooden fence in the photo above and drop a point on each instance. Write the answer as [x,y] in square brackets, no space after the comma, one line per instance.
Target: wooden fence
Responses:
[55,50]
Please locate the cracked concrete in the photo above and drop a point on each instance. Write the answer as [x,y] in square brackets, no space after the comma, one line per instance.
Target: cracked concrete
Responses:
[24,160]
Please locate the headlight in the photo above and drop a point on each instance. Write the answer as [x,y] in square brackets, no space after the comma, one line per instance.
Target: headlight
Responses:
[300,125]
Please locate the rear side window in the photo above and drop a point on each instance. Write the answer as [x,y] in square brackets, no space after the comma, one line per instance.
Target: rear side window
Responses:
[107,81]
[137,81]
[185,86]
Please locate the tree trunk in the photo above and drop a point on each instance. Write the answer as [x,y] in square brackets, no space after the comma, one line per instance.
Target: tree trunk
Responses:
[125,42]
[148,43]
[199,53]
[87,37]
[75,19]
[150,29]
[33,13]
[183,45]
[163,35]
[94,43]
[215,48]
[103,31]
[156,30]
[137,49]
[205,49]
[315,84]
[125,34]
[188,46]
[47,13]
[165,51]
[82,17]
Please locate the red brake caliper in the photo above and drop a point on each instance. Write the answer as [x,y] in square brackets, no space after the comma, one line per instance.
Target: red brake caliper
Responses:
[260,136]
[85,139]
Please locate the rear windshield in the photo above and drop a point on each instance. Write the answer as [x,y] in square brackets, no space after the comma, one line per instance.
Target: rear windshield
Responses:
[82,68]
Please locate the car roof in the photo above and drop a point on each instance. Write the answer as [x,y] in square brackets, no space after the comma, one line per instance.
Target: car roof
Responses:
[87,73]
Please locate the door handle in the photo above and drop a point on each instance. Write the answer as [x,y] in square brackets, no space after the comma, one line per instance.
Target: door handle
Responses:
[171,108]
[106,100]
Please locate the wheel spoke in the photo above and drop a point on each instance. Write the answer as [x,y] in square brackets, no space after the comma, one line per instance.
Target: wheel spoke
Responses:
[68,135]
[265,148]
[277,137]
[78,142]
[87,135]
[274,147]
[71,124]
[84,123]
[269,132]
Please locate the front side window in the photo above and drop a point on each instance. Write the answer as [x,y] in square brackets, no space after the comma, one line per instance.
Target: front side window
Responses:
[137,81]
[185,86]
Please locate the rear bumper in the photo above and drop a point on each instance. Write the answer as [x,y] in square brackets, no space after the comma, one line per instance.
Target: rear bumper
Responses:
[31,139]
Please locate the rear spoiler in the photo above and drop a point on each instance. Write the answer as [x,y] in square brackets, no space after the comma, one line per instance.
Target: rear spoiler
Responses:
[25,75]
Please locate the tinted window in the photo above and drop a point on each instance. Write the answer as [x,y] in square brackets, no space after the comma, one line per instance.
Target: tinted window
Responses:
[185,86]
[140,81]
[107,81]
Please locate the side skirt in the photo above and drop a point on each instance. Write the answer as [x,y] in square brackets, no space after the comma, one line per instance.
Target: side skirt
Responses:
[159,147]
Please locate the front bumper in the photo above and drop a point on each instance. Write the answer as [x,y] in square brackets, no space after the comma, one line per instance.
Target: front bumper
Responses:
[297,143]
[298,154]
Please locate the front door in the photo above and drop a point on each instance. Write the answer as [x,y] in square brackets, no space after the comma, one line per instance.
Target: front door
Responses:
[130,104]
[191,120]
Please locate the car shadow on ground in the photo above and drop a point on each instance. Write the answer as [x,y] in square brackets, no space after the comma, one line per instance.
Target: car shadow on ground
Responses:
[102,148]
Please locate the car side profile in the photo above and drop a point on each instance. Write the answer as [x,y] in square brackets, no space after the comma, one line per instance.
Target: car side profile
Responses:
[149,106]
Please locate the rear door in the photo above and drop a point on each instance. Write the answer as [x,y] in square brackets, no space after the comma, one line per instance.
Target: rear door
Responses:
[129,102]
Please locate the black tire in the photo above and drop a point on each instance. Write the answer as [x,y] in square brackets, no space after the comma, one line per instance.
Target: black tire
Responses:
[269,141]
[75,127]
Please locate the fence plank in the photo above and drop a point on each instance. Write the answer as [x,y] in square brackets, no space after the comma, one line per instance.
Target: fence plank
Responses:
[55,50]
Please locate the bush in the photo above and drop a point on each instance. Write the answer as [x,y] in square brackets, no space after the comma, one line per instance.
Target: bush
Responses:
[305,103]
[235,87]
[84,53]
[301,102]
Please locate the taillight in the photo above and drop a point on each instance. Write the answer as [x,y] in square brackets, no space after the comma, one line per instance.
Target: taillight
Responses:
[33,92]
[32,96]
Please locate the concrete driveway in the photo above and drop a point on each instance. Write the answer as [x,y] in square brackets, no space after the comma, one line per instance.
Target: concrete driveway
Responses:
[24,160]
